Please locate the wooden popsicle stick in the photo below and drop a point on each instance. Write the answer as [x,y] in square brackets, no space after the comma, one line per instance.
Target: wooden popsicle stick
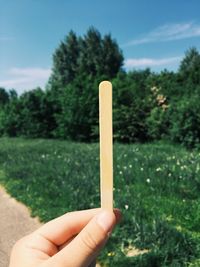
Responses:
[106,144]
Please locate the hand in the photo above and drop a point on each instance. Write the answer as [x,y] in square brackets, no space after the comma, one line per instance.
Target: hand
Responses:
[72,240]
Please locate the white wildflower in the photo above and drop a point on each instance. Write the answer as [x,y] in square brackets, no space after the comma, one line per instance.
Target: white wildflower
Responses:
[158,169]
[198,167]
[183,167]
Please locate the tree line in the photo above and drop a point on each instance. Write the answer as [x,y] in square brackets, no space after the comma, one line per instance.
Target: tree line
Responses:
[146,105]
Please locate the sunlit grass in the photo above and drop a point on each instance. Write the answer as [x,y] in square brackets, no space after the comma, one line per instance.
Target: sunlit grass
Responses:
[157,186]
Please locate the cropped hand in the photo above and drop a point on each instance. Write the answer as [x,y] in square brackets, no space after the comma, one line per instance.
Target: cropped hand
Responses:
[72,240]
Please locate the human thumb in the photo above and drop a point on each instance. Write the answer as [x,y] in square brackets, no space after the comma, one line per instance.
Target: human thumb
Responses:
[88,243]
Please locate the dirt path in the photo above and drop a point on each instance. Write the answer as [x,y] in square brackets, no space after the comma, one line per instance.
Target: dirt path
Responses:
[15,222]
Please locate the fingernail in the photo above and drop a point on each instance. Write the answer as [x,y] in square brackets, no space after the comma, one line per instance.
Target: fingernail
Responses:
[106,220]
[118,215]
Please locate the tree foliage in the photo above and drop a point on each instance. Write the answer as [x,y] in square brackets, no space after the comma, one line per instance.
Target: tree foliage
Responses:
[79,64]
[92,55]
[65,61]
[189,69]
[4,97]
[146,105]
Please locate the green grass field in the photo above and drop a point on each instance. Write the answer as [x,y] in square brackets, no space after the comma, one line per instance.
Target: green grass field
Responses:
[157,187]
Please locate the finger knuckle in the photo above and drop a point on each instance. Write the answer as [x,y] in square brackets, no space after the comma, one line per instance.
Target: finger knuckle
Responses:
[19,243]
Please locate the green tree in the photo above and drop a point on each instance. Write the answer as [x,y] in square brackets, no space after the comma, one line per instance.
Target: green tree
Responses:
[90,60]
[4,100]
[35,118]
[78,119]
[112,57]
[65,61]
[91,54]
[99,56]
[79,64]
[189,69]
[185,121]
[10,120]
[13,94]
[131,106]
[4,97]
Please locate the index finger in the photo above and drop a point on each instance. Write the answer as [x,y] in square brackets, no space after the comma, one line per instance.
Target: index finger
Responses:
[61,229]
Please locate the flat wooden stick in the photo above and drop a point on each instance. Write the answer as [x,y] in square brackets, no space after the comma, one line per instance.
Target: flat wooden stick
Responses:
[106,144]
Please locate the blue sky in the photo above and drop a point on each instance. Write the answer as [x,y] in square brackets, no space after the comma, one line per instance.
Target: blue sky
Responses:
[151,33]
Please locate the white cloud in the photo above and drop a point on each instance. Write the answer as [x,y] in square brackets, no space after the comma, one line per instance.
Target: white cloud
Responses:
[168,32]
[23,79]
[31,72]
[150,62]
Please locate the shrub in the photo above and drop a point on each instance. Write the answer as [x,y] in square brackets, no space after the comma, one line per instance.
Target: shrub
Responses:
[158,123]
[185,121]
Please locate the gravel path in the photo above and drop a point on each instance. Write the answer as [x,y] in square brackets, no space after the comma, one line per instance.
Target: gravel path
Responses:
[15,222]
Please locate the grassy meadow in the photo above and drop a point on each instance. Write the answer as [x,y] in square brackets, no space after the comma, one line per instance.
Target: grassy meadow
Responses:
[156,185]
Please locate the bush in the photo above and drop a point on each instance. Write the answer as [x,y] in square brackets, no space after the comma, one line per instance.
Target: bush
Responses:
[131,106]
[185,121]
[158,123]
